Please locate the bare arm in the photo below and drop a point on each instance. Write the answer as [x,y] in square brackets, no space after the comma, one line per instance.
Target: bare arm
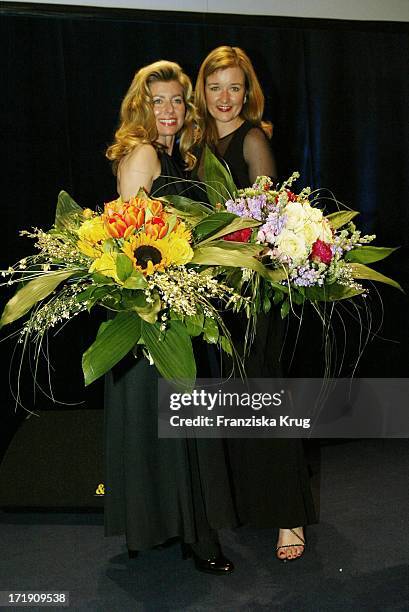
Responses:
[258,155]
[138,169]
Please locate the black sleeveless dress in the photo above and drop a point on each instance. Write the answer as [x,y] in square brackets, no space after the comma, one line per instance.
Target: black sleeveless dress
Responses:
[157,489]
[270,476]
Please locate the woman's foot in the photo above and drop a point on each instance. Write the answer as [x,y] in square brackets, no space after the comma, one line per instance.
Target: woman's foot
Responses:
[290,544]
[217,564]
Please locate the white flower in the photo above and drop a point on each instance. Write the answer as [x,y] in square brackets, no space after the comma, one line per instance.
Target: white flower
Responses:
[291,244]
[310,232]
[312,214]
[295,216]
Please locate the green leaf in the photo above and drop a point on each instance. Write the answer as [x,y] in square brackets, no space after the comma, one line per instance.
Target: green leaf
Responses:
[66,211]
[112,343]
[285,308]
[212,224]
[194,324]
[219,182]
[238,223]
[31,293]
[142,194]
[226,345]
[136,301]
[101,279]
[171,352]
[340,218]
[187,208]
[368,254]
[297,297]
[172,220]
[102,327]
[93,294]
[235,254]
[331,293]
[136,281]
[360,271]
[210,331]
[109,245]
[278,296]
[124,266]
[266,304]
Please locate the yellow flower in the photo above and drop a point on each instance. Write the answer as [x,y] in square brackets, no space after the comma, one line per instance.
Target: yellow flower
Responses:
[182,231]
[92,230]
[91,236]
[147,254]
[87,213]
[180,251]
[106,265]
[88,249]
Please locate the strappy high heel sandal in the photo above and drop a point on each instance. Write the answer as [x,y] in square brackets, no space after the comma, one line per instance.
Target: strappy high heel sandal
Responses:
[285,559]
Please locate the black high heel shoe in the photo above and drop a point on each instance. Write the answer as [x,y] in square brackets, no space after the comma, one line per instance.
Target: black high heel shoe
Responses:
[218,565]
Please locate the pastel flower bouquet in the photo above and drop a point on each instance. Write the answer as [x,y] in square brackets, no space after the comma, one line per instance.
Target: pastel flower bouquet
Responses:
[309,256]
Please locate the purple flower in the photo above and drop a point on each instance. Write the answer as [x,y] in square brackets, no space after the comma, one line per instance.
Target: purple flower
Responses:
[237,207]
[256,206]
[306,276]
[271,228]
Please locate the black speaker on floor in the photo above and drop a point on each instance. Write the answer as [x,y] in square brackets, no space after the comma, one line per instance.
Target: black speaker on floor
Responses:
[55,460]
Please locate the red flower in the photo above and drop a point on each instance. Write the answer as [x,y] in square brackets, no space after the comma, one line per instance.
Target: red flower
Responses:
[321,251]
[239,236]
[292,197]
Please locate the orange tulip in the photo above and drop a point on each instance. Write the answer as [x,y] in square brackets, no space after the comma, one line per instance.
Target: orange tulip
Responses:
[156,228]
[156,207]
[116,225]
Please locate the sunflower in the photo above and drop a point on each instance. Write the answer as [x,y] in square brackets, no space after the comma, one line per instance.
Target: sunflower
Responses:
[91,235]
[147,254]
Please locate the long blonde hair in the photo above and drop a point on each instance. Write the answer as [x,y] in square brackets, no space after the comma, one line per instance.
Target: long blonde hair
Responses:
[253,107]
[137,121]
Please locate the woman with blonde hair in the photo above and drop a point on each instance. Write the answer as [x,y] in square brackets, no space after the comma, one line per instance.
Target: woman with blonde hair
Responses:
[159,489]
[270,476]
[156,108]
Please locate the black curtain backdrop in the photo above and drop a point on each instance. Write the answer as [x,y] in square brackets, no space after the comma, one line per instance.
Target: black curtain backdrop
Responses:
[336,91]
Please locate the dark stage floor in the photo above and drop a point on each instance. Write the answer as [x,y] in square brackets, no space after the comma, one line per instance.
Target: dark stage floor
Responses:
[356,559]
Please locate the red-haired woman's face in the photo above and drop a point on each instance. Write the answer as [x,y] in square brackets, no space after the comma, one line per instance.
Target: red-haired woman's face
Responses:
[225,90]
[168,107]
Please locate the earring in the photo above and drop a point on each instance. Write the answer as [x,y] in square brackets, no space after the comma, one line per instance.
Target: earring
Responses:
[245,99]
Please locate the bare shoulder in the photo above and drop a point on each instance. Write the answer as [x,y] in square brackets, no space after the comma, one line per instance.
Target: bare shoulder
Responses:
[256,135]
[144,155]
[138,169]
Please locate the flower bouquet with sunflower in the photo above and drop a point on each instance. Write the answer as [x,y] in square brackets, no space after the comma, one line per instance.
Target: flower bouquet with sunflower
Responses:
[138,260]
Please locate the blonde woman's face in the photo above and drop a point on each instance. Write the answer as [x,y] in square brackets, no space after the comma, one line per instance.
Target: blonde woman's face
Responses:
[225,90]
[168,107]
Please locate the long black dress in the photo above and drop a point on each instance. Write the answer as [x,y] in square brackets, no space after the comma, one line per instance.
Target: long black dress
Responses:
[270,476]
[157,489]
